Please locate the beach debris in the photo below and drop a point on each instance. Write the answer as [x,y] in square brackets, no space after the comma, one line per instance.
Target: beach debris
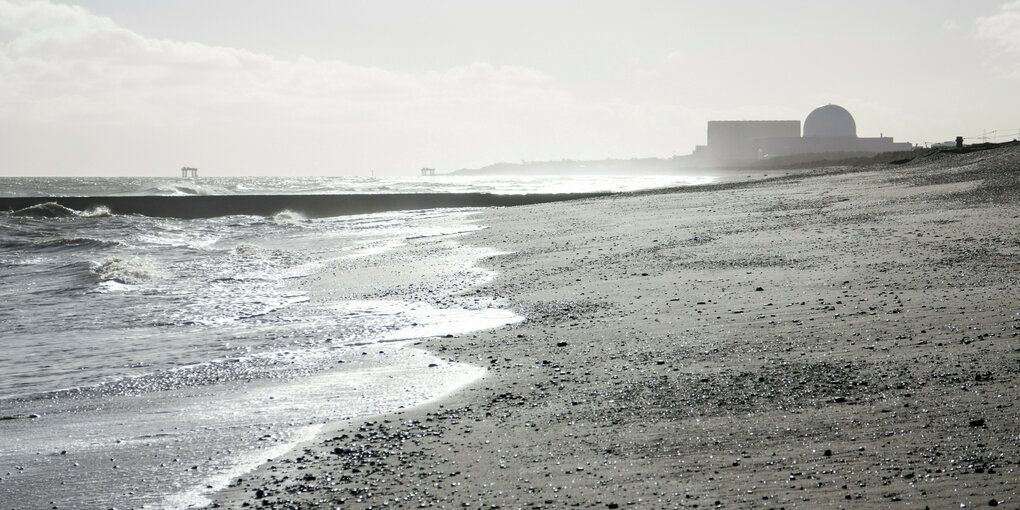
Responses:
[30,416]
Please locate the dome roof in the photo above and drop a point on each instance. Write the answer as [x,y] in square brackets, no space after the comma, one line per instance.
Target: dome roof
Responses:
[830,120]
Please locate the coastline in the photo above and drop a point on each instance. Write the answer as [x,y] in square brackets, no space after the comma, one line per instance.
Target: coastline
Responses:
[832,339]
[229,393]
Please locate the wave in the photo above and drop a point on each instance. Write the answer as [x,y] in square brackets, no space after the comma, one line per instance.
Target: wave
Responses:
[56,210]
[56,244]
[252,250]
[45,210]
[185,189]
[288,217]
[97,212]
[121,270]
[75,242]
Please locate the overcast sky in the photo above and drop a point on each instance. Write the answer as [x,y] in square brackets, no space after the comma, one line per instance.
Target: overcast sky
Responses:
[343,87]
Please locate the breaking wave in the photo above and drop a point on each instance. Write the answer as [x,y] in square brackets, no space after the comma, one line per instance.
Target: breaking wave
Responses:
[185,189]
[288,217]
[46,210]
[121,270]
[97,212]
[56,210]
[252,250]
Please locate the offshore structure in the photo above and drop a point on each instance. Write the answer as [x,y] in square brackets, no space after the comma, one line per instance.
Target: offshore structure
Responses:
[827,129]
[188,172]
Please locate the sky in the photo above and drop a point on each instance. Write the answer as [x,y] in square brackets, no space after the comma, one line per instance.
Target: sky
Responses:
[386,87]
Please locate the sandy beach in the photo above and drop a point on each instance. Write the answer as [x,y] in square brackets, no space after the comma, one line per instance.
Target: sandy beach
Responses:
[837,338]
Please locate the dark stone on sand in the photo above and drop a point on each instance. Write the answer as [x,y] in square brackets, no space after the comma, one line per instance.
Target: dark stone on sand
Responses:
[561,344]
[828,453]
[977,423]
[993,502]
[758,289]
[20,417]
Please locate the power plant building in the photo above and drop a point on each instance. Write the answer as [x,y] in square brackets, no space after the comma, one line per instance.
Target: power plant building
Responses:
[827,129]
[740,140]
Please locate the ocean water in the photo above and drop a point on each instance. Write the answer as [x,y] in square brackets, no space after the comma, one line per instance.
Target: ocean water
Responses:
[87,186]
[145,362]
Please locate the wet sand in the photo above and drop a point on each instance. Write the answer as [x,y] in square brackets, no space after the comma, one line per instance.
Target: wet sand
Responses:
[847,338]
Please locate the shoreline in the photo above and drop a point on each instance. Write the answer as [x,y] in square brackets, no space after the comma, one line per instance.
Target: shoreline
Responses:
[832,339]
[185,428]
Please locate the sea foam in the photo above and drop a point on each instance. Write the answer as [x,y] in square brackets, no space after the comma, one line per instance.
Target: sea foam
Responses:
[121,270]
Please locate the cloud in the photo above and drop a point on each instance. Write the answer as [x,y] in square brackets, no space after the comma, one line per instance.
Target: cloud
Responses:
[1003,27]
[26,16]
[72,76]
[61,62]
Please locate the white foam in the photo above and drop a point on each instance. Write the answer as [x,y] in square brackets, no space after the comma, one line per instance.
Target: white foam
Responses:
[122,270]
[288,217]
[97,212]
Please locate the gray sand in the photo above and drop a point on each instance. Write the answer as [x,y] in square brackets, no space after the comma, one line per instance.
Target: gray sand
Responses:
[846,338]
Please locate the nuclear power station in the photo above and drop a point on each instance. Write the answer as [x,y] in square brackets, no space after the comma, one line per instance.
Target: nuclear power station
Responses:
[827,129]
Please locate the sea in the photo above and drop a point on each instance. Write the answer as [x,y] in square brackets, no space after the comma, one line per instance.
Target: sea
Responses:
[146,362]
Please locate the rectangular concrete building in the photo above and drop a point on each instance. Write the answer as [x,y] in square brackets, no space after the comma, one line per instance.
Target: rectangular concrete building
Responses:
[733,141]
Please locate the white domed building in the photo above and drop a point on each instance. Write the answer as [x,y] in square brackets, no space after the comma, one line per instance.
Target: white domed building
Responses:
[830,120]
[828,129]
